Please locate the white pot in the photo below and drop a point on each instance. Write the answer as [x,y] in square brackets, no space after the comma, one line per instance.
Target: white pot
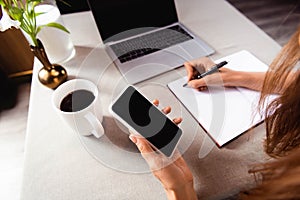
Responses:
[57,43]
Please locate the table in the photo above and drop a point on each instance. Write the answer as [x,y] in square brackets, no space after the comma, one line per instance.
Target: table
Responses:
[59,164]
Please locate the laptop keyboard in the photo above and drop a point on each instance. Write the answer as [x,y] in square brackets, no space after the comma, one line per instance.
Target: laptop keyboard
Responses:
[149,43]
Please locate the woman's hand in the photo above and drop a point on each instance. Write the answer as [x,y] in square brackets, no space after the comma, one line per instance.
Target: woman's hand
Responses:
[173,173]
[226,77]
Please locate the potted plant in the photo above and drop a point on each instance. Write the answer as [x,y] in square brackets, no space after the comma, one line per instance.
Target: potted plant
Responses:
[21,14]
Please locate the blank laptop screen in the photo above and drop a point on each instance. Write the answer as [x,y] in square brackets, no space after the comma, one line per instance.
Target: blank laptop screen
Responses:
[116,16]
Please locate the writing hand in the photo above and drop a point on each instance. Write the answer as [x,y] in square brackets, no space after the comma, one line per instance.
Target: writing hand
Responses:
[226,77]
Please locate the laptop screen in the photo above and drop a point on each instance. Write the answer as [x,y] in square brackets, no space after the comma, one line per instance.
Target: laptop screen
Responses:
[125,18]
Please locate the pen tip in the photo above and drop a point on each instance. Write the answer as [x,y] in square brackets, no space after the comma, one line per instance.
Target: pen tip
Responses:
[184,85]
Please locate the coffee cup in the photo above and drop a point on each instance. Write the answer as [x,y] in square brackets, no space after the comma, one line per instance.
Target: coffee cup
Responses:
[77,102]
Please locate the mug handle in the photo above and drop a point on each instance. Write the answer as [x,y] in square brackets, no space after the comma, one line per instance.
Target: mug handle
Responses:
[98,129]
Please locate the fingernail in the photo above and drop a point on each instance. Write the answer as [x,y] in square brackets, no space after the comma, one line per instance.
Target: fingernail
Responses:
[133,139]
[178,120]
[155,102]
[167,109]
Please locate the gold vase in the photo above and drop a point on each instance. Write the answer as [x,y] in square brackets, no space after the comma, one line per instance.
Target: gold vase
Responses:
[50,75]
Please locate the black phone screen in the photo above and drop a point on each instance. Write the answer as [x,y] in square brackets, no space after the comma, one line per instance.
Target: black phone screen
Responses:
[147,120]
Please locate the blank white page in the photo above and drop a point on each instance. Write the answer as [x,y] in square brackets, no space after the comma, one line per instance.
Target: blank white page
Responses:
[224,113]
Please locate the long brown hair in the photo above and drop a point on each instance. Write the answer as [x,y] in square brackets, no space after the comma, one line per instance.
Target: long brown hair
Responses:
[283,114]
[280,179]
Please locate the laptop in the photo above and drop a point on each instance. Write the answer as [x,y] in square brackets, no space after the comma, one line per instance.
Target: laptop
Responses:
[144,38]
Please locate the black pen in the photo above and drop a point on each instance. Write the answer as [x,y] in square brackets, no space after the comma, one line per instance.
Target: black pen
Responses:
[210,71]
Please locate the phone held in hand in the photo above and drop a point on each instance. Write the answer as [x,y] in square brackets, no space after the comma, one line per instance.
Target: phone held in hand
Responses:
[137,113]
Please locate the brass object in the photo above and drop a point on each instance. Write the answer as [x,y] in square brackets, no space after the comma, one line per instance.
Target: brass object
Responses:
[51,75]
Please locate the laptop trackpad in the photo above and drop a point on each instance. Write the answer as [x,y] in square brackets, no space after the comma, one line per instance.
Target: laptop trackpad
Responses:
[145,71]
[193,49]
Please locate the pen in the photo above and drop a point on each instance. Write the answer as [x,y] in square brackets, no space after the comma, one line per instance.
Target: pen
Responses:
[210,71]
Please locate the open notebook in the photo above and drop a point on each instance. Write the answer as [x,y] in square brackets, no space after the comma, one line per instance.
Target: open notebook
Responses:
[224,113]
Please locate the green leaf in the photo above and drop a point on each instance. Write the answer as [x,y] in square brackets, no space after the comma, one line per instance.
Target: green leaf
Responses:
[30,9]
[54,25]
[39,29]
[2,3]
[35,3]
[39,13]
[15,13]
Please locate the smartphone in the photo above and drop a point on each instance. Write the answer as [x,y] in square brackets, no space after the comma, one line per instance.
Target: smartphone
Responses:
[136,112]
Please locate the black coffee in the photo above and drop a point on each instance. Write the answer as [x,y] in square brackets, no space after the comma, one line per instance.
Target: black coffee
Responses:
[76,101]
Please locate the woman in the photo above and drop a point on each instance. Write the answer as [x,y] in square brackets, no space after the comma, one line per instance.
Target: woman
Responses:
[281,178]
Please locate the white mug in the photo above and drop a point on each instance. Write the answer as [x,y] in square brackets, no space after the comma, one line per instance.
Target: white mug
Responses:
[86,121]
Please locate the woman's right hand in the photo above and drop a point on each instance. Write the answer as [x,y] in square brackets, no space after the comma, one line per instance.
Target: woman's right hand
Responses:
[226,77]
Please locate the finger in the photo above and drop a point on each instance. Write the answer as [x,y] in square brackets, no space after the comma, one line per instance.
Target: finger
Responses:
[197,83]
[189,69]
[155,102]
[199,68]
[167,110]
[214,79]
[132,138]
[141,143]
[177,120]
[203,88]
